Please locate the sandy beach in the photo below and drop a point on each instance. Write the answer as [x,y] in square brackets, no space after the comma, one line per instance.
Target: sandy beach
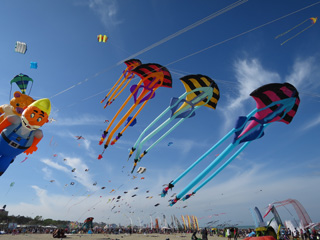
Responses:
[109,236]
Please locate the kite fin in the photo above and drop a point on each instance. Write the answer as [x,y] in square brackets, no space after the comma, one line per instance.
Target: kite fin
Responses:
[103,137]
[187,196]
[240,124]
[174,201]
[134,165]
[131,152]
[107,103]
[116,139]
[166,189]
[103,100]
[143,154]
[100,155]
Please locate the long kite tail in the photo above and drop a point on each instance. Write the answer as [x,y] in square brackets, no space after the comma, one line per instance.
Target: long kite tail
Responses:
[297,34]
[111,99]
[138,142]
[214,163]
[138,145]
[115,97]
[104,135]
[152,85]
[150,135]
[221,168]
[114,85]
[132,119]
[164,124]
[280,35]
[123,119]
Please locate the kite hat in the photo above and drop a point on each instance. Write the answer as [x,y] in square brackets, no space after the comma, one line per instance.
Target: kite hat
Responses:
[43,104]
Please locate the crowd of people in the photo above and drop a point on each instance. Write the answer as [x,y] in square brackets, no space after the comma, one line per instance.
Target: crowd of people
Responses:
[230,233]
[300,234]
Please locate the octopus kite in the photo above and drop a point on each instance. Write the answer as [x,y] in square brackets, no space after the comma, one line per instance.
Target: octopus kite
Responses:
[152,77]
[200,91]
[276,102]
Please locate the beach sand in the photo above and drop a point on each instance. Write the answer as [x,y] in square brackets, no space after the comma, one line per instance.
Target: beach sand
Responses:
[109,236]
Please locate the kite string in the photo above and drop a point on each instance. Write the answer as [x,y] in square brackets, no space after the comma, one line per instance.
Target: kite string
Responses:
[280,35]
[213,15]
[296,34]
[243,33]
[85,80]
[190,55]
[89,209]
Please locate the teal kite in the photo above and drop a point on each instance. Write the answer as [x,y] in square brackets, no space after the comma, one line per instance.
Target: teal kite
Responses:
[276,102]
[200,91]
[22,81]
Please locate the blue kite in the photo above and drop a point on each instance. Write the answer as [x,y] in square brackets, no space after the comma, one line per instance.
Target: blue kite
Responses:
[276,102]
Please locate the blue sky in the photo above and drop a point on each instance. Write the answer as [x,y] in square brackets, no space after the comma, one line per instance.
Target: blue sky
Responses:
[237,49]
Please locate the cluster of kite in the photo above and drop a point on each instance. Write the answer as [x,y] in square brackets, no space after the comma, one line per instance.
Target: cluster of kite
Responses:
[275,102]
[126,203]
[20,121]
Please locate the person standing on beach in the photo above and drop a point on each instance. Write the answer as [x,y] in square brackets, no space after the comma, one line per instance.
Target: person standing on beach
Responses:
[228,234]
[289,233]
[235,234]
[204,234]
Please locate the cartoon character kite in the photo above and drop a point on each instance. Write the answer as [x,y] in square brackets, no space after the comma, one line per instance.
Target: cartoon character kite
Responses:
[276,102]
[20,135]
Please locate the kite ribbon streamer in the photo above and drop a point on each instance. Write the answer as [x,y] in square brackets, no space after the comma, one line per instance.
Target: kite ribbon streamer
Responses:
[131,64]
[313,21]
[128,76]
[147,90]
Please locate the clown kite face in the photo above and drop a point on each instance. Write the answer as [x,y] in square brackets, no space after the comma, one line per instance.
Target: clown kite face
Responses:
[33,118]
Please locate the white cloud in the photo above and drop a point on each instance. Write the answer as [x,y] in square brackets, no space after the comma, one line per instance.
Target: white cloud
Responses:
[305,74]
[250,75]
[107,11]
[83,177]
[251,187]
[313,123]
[86,144]
[47,173]
[54,165]
[83,143]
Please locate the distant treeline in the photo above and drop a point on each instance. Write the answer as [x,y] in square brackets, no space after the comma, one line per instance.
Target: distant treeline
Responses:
[38,220]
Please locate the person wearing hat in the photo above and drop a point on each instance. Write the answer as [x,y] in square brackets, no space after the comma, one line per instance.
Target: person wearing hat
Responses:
[20,135]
